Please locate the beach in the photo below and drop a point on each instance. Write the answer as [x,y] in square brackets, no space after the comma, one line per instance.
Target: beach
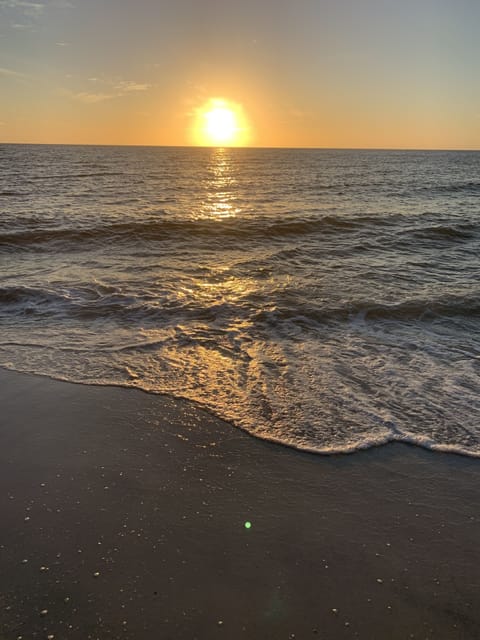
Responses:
[133,515]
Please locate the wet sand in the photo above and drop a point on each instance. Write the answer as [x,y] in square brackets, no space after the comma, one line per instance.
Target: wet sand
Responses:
[123,516]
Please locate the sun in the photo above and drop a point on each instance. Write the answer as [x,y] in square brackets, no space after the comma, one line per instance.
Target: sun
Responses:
[220,123]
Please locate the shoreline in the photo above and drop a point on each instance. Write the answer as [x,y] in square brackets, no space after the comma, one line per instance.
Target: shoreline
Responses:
[153,493]
[408,440]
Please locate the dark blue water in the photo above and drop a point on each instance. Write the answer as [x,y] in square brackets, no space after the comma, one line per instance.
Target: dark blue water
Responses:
[329,300]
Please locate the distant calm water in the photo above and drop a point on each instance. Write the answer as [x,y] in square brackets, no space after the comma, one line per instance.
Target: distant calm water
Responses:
[329,300]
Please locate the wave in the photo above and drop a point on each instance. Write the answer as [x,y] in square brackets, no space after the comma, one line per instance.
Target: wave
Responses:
[424,309]
[99,302]
[93,303]
[74,176]
[10,194]
[182,229]
[408,310]
[469,187]
[453,188]
[85,302]
[459,231]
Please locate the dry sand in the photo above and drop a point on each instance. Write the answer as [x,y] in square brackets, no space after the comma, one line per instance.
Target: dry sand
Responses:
[123,516]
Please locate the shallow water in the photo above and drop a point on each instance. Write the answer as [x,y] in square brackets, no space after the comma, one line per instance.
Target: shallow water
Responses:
[329,300]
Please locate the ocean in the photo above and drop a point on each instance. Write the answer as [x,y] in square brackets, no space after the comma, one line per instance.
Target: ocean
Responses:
[328,300]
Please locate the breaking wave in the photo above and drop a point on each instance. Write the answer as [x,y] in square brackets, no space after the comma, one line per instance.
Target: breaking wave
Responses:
[98,301]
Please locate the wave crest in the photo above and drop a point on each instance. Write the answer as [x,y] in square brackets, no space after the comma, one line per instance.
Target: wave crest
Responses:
[159,230]
[102,302]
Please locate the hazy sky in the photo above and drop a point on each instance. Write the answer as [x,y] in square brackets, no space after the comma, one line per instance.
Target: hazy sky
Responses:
[315,73]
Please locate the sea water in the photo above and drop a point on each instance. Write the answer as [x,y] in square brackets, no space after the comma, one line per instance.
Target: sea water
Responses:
[325,299]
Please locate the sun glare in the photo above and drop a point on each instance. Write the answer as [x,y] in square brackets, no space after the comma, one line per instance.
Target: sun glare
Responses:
[220,123]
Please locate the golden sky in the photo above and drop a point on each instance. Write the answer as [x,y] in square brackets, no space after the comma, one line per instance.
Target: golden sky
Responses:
[309,73]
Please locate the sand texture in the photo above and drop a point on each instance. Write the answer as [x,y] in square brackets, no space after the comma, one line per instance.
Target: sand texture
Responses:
[123,516]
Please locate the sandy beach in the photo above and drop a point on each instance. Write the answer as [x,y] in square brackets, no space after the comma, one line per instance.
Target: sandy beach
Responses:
[124,516]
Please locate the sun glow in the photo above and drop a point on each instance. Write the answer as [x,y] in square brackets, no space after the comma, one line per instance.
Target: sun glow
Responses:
[220,123]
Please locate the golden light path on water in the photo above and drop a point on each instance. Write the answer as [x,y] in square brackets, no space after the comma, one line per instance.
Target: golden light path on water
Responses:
[221,188]
[220,203]
[214,354]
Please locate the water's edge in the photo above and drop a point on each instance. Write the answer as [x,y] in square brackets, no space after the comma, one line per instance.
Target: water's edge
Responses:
[421,442]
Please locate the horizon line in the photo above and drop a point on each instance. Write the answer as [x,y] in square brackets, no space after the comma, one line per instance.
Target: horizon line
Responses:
[287,148]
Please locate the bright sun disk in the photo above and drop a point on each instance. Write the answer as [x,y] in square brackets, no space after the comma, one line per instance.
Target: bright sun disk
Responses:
[220,123]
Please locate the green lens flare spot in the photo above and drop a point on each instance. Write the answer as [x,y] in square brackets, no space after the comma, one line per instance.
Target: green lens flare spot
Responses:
[248,525]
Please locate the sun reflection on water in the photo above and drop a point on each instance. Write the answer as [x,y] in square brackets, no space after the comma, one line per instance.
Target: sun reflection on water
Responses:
[221,187]
[208,350]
